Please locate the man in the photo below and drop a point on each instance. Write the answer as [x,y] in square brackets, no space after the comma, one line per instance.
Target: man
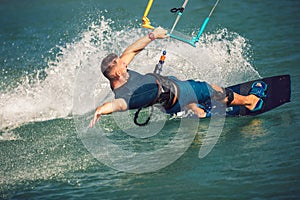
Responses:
[133,90]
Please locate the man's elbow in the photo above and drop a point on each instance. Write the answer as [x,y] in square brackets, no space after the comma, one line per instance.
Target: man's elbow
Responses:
[120,105]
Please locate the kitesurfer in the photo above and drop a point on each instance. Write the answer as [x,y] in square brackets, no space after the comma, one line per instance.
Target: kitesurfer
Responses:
[133,90]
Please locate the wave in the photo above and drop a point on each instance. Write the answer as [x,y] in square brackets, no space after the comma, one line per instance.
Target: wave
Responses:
[222,57]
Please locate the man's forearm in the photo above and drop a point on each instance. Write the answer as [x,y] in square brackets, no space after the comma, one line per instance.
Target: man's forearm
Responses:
[131,51]
[138,45]
[112,106]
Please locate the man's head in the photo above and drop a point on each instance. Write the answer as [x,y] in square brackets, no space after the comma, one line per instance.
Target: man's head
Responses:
[108,64]
[114,68]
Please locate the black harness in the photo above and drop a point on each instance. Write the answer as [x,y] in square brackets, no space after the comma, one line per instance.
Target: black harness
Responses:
[165,97]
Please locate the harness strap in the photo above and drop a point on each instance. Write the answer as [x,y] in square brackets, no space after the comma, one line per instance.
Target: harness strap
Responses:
[166,91]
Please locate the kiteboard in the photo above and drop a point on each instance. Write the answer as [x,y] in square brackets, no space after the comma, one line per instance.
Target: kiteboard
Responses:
[278,92]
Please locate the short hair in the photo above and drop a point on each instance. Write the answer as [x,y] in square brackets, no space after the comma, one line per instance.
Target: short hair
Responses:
[106,65]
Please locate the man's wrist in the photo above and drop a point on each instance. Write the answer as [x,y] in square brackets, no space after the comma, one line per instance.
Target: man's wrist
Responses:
[151,36]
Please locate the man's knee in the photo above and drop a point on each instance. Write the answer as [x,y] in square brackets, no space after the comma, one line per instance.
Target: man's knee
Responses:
[221,95]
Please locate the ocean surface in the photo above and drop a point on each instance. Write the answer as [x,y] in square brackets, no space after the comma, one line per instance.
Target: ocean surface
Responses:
[50,84]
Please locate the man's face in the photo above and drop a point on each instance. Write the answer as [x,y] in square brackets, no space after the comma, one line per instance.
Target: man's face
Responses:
[119,67]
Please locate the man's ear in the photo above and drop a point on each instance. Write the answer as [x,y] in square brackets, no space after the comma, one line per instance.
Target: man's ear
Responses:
[118,73]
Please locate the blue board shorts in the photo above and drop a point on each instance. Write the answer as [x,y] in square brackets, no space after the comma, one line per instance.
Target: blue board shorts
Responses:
[190,91]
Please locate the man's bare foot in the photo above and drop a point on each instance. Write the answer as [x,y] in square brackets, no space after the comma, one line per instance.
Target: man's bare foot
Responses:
[197,111]
[252,100]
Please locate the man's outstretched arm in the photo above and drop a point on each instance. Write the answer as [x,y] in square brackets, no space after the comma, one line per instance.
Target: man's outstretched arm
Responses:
[131,51]
[107,108]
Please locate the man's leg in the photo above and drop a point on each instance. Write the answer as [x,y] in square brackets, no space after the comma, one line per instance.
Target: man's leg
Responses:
[227,97]
[248,101]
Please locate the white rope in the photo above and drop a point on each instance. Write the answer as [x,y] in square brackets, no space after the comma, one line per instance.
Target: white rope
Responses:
[212,10]
[178,16]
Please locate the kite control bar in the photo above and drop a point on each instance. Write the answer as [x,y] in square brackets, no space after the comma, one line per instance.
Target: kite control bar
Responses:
[193,40]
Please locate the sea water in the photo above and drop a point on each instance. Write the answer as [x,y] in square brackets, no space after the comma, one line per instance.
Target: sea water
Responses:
[50,84]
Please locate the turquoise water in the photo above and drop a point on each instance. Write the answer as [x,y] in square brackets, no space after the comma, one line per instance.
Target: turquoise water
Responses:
[50,84]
